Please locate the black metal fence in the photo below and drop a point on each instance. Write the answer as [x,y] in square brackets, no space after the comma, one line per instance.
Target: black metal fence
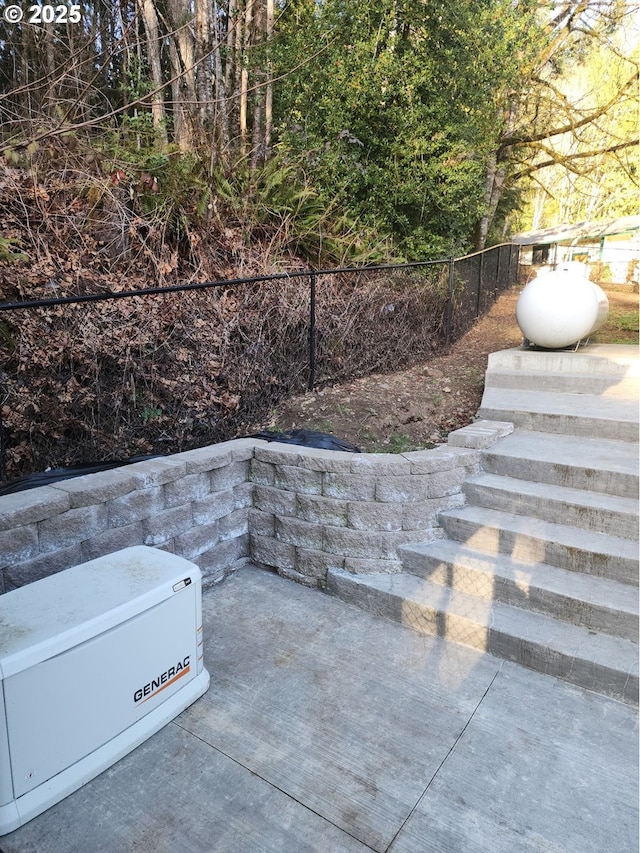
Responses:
[478,280]
[276,335]
[473,284]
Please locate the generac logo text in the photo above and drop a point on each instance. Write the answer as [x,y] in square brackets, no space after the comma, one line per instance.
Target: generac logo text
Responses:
[165,679]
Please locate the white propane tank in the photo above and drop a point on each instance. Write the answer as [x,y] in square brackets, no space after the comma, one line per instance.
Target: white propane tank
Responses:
[561,308]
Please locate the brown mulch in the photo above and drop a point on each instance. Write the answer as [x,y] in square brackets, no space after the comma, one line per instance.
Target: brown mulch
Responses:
[417,408]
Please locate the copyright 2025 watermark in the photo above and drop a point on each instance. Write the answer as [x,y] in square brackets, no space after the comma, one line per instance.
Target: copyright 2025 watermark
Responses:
[62,14]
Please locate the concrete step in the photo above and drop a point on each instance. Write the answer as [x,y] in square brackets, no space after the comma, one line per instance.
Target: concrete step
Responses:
[573,414]
[595,603]
[598,662]
[600,384]
[575,507]
[592,463]
[619,361]
[533,540]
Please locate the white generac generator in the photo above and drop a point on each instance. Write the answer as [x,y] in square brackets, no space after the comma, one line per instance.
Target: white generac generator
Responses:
[93,660]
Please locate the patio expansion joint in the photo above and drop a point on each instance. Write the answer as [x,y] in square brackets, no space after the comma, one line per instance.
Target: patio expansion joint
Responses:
[271,784]
[445,759]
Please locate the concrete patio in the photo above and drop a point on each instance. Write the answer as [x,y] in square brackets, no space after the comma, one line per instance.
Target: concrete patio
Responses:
[326,728]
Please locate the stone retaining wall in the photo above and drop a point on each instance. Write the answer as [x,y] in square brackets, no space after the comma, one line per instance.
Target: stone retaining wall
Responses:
[298,510]
[316,510]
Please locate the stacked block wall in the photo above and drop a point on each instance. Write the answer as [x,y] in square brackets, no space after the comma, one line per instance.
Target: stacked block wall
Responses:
[298,510]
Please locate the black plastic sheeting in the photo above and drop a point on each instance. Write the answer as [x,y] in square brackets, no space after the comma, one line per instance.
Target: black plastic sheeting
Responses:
[307,438]
[301,437]
[56,475]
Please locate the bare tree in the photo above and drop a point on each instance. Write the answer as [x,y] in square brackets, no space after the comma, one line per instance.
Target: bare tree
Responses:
[541,113]
[202,43]
[152,29]
[244,75]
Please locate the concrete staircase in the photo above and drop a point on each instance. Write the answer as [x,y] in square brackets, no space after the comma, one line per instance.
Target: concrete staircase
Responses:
[541,565]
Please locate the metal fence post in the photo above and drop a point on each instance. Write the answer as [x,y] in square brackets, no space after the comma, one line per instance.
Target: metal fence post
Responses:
[3,465]
[480,275]
[464,280]
[448,329]
[515,250]
[312,331]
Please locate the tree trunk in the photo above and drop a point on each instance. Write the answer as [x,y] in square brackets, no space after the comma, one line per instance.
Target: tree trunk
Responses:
[244,78]
[221,148]
[257,139]
[152,31]
[181,129]
[50,97]
[182,55]
[268,110]
[203,71]
[263,108]
[231,65]
[493,188]
[495,177]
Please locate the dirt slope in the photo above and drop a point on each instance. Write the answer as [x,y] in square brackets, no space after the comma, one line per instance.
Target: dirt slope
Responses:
[418,407]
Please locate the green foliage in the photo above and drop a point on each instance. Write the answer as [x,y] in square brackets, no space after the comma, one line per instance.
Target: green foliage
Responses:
[400,108]
[603,184]
[168,186]
[279,204]
[628,321]
[8,253]
[7,341]
[149,413]
[401,442]
[620,327]
[140,124]
[401,128]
